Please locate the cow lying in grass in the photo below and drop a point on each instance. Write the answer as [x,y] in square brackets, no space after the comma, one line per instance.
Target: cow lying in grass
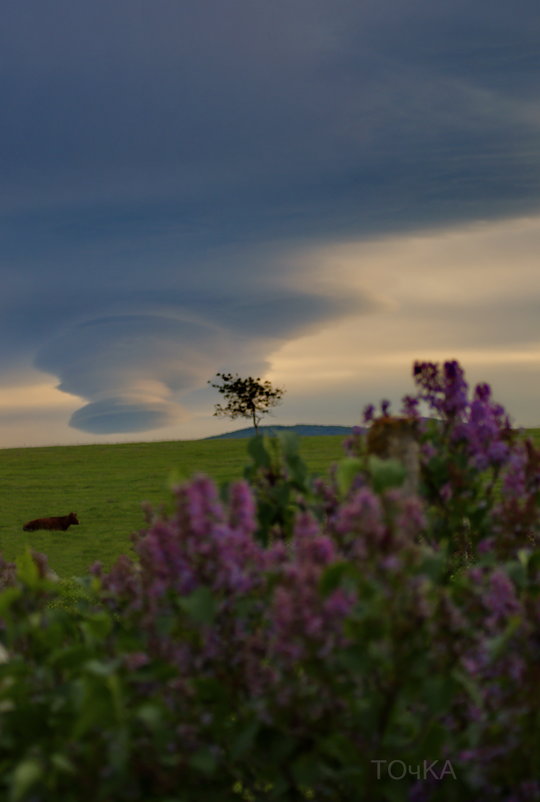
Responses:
[62,522]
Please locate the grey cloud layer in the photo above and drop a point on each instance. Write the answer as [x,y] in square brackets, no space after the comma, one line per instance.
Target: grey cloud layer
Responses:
[323,108]
[161,161]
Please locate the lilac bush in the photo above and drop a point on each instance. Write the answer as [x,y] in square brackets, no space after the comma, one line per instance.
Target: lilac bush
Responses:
[480,480]
[293,638]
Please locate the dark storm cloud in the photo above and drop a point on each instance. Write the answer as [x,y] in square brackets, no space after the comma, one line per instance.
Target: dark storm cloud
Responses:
[162,160]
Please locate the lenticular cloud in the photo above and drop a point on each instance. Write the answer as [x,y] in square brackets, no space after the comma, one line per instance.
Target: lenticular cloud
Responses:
[135,363]
[133,368]
[121,414]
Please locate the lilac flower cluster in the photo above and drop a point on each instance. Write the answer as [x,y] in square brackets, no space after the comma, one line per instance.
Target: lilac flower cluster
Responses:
[277,639]
[479,424]
[480,480]
[8,573]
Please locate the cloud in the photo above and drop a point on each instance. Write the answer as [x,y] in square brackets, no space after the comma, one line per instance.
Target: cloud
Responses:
[175,172]
[129,366]
[134,368]
[294,117]
[124,414]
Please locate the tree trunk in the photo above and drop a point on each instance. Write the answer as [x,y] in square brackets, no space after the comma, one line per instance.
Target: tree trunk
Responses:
[255,421]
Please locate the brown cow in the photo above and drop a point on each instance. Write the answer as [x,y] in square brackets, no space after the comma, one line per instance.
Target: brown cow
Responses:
[62,522]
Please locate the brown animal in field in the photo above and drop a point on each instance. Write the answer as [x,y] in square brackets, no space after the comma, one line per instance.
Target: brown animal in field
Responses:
[61,522]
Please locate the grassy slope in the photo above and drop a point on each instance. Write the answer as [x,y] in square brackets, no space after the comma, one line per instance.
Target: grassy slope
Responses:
[105,485]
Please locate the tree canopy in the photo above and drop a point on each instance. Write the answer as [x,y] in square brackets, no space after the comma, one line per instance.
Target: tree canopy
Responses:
[246,398]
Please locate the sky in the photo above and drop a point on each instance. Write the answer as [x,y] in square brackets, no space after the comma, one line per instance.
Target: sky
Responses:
[316,192]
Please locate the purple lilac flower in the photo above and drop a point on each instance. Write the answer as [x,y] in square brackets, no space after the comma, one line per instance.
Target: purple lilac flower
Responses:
[455,387]
[410,406]
[369,413]
[446,492]
[392,563]
[498,452]
[242,508]
[516,667]
[486,545]
[501,597]
[276,554]
[475,663]
[408,516]
[164,560]
[446,391]
[301,620]
[305,526]
[123,581]
[515,482]
[477,574]
[352,445]
[426,374]
[135,660]
[427,451]
[361,515]
[482,392]
[198,506]
[318,549]
[8,573]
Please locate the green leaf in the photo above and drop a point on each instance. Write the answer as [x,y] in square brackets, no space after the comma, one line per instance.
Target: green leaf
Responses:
[27,570]
[7,597]
[517,572]
[306,769]
[117,696]
[386,473]
[63,764]
[244,739]
[27,774]
[338,574]
[200,605]
[347,470]
[258,452]
[68,657]
[210,691]
[277,745]
[339,747]
[438,690]
[99,668]
[499,644]
[94,708]
[469,685]
[151,715]
[204,761]
[96,627]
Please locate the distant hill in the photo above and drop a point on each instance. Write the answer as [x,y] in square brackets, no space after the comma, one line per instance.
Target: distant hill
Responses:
[302,429]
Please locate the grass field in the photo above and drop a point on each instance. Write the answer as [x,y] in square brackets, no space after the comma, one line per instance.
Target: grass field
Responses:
[105,485]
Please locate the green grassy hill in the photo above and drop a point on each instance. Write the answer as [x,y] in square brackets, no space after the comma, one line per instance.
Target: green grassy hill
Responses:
[105,485]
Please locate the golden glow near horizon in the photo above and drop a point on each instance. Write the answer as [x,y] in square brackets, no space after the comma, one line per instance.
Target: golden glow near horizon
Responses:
[35,396]
[471,293]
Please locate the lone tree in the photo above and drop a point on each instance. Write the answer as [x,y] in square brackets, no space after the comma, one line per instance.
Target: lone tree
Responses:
[246,398]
